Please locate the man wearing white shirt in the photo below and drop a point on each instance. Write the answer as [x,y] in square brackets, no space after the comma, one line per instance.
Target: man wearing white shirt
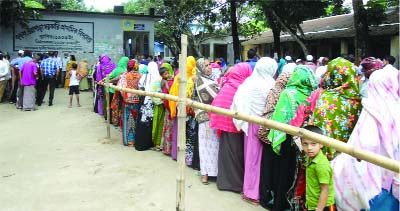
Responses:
[388,62]
[289,66]
[65,60]
[3,74]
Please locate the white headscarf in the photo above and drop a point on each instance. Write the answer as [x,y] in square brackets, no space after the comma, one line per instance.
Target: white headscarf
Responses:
[251,96]
[149,78]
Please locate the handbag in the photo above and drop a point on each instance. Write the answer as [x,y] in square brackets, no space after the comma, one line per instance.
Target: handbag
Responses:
[143,88]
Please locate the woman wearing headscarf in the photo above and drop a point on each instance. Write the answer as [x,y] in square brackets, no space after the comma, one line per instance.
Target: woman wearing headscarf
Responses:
[268,154]
[105,67]
[159,109]
[174,90]
[360,184]
[115,112]
[130,106]
[166,140]
[206,88]
[283,161]
[230,155]
[369,65]
[83,71]
[282,62]
[71,61]
[146,111]
[339,105]
[250,99]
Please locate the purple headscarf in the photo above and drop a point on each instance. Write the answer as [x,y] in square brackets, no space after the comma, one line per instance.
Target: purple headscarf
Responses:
[105,67]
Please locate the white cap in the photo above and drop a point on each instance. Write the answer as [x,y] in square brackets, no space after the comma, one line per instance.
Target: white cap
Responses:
[298,60]
[320,59]
[20,51]
[309,58]
[288,58]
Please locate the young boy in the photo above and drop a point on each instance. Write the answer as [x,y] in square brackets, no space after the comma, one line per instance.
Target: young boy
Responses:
[73,85]
[319,176]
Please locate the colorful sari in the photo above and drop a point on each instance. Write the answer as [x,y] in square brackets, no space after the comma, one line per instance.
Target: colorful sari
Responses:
[339,105]
[103,69]
[299,87]
[130,106]
[377,130]
[116,102]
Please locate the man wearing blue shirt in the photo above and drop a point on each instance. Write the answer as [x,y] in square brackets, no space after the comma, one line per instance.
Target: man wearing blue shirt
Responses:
[50,70]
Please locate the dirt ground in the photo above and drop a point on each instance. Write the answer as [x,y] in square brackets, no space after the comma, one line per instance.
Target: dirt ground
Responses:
[55,159]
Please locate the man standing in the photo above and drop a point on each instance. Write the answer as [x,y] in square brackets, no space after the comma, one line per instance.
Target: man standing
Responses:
[3,73]
[28,75]
[65,61]
[49,70]
[388,62]
[19,64]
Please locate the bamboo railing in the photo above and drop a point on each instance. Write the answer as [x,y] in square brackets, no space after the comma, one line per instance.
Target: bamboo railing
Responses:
[361,154]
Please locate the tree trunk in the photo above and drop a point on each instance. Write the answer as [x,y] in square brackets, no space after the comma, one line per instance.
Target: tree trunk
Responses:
[235,34]
[292,33]
[361,27]
[276,31]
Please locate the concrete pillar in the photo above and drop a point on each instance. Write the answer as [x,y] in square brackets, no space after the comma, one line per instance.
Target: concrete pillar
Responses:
[344,47]
[151,42]
[211,51]
[394,49]
[141,43]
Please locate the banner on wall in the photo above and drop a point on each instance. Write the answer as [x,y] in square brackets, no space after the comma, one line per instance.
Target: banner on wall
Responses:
[54,35]
[128,25]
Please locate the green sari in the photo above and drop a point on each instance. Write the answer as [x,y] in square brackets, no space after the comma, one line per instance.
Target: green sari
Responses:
[299,87]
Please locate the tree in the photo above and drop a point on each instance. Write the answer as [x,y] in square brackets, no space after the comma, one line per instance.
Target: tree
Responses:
[75,5]
[235,35]
[14,12]
[372,13]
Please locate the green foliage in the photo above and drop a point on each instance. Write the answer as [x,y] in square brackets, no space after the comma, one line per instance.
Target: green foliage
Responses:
[336,7]
[33,5]
[143,6]
[14,12]
[75,5]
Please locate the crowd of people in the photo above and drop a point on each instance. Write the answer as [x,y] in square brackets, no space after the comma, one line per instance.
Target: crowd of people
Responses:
[25,80]
[358,105]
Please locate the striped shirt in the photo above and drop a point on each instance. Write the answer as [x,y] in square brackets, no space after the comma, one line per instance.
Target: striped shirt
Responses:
[49,66]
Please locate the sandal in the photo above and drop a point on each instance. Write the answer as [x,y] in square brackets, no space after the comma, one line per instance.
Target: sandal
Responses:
[204,180]
[249,200]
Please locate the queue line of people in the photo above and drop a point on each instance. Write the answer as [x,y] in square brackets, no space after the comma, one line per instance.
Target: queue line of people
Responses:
[267,166]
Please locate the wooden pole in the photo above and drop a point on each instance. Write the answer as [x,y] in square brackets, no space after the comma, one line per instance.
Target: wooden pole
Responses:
[108,107]
[361,154]
[180,180]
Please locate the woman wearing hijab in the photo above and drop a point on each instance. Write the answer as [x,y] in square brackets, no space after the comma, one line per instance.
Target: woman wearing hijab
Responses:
[268,155]
[230,155]
[159,109]
[360,184]
[83,71]
[206,88]
[146,111]
[130,106]
[250,99]
[282,163]
[103,69]
[174,90]
[339,105]
[115,105]
[166,140]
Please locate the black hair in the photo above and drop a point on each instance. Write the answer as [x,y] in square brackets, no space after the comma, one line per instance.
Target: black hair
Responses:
[390,59]
[163,70]
[28,53]
[51,53]
[72,57]
[74,65]
[314,129]
[7,56]
[251,53]
[1,56]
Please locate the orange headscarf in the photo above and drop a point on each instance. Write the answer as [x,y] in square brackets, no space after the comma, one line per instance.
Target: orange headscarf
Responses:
[190,70]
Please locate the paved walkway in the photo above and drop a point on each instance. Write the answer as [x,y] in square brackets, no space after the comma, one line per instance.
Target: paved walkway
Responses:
[55,159]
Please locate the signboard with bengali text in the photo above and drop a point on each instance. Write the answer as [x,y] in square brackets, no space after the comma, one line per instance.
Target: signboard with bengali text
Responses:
[54,35]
